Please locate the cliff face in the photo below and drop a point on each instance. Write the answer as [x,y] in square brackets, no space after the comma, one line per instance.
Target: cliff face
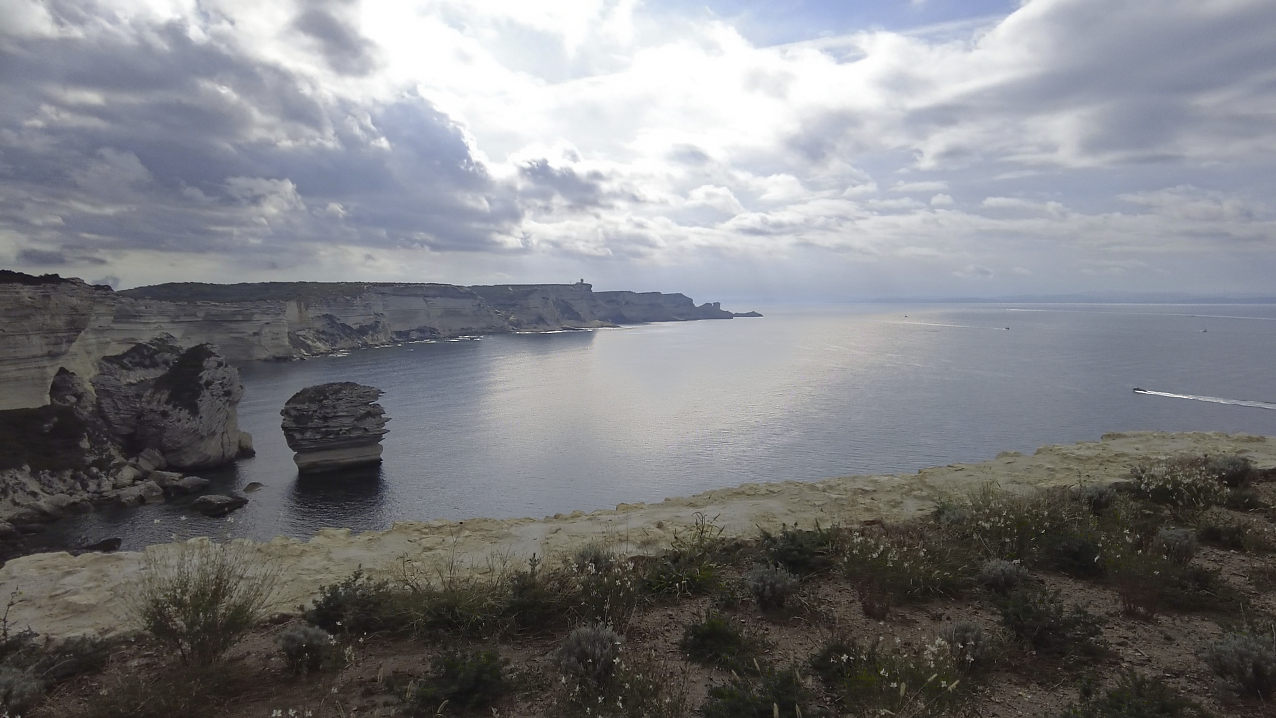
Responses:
[540,307]
[48,323]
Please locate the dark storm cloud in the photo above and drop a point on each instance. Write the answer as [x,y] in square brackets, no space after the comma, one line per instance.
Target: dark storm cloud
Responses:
[545,181]
[53,258]
[344,48]
[149,139]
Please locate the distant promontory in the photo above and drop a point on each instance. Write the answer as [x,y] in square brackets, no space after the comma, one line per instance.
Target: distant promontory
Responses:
[51,322]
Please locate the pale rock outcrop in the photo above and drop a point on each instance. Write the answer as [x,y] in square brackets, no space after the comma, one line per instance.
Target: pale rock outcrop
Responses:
[334,426]
[189,414]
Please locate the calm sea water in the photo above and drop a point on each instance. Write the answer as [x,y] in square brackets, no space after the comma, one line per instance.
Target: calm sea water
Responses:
[535,424]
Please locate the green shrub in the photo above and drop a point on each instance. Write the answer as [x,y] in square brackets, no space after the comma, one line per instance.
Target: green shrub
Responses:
[184,690]
[1183,482]
[770,586]
[536,599]
[450,601]
[1179,546]
[1148,584]
[803,552]
[1040,620]
[904,564]
[1136,696]
[1078,554]
[593,558]
[1099,497]
[897,680]
[1002,576]
[641,687]
[719,640]
[606,592]
[1234,471]
[355,605]
[306,648]
[775,692]
[1247,500]
[967,644]
[19,691]
[202,598]
[691,565]
[589,653]
[461,680]
[1248,660]
[1013,527]
[1238,533]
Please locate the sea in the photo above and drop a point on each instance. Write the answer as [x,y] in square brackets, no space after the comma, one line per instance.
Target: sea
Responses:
[531,425]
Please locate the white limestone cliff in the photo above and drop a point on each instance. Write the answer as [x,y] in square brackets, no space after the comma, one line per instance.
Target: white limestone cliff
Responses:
[49,323]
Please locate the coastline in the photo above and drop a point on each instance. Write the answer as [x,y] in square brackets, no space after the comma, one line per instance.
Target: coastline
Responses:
[60,595]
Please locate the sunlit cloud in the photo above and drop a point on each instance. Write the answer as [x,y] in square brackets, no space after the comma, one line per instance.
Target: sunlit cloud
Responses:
[1034,149]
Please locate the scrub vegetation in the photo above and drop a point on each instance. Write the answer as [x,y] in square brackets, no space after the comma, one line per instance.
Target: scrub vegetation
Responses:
[1151,597]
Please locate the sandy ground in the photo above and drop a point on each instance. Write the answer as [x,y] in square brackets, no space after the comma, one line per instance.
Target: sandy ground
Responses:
[61,595]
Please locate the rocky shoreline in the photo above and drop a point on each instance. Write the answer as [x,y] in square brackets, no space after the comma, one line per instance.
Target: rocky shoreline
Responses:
[59,594]
[130,435]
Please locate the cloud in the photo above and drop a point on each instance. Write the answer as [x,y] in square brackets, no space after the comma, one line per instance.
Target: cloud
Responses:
[54,258]
[508,137]
[920,187]
[975,271]
[328,22]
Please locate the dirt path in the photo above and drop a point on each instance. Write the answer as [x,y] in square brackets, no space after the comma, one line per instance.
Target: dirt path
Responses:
[62,595]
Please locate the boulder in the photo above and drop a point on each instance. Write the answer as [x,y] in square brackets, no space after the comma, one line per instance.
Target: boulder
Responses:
[246,444]
[104,546]
[165,479]
[147,492]
[26,515]
[217,504]
[69,390]
[125,477]
[190,485]
[190,413]
[334,426]
[151,460]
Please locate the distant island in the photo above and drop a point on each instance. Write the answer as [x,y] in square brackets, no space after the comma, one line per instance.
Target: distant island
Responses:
[51,322]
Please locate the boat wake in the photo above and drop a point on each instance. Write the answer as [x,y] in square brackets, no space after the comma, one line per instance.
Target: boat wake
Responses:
[1211,399]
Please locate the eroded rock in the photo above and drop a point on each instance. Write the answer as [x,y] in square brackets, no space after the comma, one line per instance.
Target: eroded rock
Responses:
[189,485]
[218,504]
[334,426]
[190,413]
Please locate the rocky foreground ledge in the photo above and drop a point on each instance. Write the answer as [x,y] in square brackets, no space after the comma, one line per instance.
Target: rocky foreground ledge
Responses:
[60,595]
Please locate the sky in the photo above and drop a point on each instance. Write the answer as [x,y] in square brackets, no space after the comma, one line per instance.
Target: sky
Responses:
[736,150]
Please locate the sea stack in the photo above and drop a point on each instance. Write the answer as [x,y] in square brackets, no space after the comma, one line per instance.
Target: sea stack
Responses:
[334,426]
